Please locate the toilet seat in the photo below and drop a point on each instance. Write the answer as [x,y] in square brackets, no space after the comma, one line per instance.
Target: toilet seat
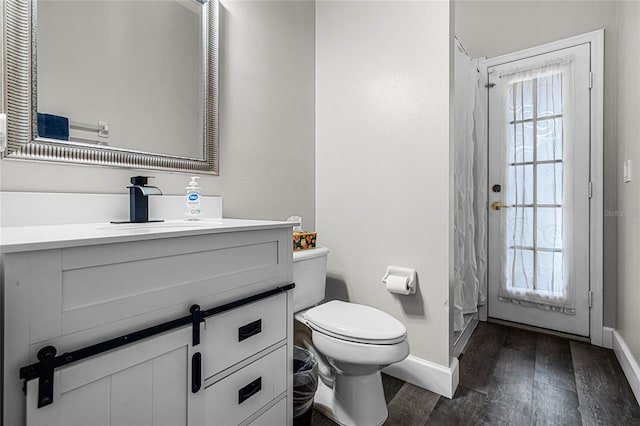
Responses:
[355,323]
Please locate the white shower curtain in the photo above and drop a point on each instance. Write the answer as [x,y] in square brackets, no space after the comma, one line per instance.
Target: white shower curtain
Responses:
[480,182]
[470,191]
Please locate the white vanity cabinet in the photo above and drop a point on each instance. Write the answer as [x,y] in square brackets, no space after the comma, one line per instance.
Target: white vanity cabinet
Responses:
[74,292]
[143,384]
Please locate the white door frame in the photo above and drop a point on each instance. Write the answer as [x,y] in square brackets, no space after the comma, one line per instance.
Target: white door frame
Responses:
[596,219]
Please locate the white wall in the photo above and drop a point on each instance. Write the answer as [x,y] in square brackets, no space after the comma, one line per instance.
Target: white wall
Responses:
[629,193]
[493,28]
[382,158]
[266,120]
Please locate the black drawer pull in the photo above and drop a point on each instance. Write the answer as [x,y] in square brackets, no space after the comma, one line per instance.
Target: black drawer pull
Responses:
[196,372]
[249,330]
[249,390]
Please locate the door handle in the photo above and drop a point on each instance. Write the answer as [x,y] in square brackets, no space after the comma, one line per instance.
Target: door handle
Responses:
[497,205]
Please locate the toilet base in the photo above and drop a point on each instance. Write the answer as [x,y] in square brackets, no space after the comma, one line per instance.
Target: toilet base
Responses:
[353,401]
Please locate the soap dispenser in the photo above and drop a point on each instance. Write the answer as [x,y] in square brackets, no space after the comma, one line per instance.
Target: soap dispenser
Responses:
[192,200]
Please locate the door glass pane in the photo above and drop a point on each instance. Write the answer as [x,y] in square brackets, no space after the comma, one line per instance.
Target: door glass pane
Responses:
[520,268]
[549,229]
[511,104]
[549,271]
[520,188]
[549,139]
[549,95]
[515,102]
[549,180]
[527,99]
[535,185]
[520,227]
[521,142]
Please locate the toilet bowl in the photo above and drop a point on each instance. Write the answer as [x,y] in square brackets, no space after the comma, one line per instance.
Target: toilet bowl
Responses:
[353,343]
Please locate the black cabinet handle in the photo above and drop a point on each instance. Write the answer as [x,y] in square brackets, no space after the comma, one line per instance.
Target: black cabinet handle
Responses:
[249,330]
[196,372]
[249,390]
[47,357]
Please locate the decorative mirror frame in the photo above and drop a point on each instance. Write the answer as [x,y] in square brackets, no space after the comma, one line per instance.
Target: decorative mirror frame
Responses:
[21,100]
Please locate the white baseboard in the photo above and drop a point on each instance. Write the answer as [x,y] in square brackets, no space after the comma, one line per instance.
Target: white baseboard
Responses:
[427,375]
[628,363]
[607,337]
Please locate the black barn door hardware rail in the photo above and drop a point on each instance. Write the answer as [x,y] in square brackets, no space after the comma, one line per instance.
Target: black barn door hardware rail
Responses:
[48,361]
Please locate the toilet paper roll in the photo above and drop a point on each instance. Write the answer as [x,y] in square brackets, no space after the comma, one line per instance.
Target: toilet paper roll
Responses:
[398,285]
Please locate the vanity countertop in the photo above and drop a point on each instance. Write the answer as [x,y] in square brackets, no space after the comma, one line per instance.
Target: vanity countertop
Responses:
[45,237]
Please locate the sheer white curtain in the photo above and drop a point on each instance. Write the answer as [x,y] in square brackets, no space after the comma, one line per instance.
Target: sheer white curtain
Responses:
[469,229]
[537,119]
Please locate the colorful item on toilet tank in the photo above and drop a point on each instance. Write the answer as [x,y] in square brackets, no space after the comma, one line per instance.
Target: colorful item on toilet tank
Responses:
[304,240]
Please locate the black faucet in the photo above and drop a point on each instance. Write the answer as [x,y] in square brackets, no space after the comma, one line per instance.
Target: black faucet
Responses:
[139,199]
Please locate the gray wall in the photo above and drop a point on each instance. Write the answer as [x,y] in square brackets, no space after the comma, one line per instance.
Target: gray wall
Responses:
[629,193]
[383,162]
[142,76]
[493,28]
[267,72]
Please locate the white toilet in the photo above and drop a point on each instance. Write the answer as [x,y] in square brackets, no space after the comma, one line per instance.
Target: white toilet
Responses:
[353,343]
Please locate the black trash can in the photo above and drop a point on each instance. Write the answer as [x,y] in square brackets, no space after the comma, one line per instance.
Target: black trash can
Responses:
[305,383]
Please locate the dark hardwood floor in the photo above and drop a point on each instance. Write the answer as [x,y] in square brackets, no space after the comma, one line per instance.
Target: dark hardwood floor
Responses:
[514,377]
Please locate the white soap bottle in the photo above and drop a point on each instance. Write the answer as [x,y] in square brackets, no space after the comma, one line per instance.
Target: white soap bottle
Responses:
[192,199]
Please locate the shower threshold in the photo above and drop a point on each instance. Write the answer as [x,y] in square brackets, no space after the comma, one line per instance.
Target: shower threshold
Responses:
[461,338]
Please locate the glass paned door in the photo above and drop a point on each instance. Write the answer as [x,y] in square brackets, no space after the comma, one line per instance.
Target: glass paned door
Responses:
[539,139]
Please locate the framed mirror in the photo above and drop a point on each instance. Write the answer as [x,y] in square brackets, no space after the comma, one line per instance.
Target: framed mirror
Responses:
[124,83]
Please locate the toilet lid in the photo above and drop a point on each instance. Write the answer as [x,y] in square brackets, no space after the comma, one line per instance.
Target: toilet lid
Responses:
[354,322]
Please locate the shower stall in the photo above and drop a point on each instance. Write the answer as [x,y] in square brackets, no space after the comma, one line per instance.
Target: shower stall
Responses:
[470,184]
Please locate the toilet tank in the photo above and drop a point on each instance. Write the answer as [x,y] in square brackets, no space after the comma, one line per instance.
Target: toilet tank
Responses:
[309,275]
